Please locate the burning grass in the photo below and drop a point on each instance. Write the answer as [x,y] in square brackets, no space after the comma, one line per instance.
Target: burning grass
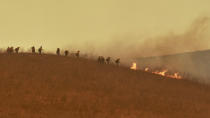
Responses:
[163,72]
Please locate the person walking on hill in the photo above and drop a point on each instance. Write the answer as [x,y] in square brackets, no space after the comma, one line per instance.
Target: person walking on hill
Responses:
[10,50]
[40,50]
[66,52]
[101,60]
[117,61]
[17,50]
[58,51]
[108,59]
[77,54]
[33,50]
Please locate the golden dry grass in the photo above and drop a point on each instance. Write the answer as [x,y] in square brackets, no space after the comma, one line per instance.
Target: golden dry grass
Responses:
[48,86]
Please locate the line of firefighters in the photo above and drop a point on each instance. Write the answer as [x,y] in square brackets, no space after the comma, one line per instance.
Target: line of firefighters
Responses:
[101,59]
[66,52]
[11,50]
[108,60]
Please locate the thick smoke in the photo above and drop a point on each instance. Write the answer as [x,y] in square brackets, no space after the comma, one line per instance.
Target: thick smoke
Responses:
[176,48]
[149,51]
[130,46]
[195,38]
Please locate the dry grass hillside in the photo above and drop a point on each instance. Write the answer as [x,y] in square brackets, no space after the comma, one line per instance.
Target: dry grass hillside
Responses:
[48,86]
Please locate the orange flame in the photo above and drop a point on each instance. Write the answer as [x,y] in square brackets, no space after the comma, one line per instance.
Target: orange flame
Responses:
[133,67]
[163,73]
[175,76]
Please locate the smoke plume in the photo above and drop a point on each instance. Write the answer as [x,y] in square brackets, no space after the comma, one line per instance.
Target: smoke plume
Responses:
[148,51]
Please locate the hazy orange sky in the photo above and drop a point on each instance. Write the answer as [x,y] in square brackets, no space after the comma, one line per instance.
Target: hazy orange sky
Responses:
[78,23]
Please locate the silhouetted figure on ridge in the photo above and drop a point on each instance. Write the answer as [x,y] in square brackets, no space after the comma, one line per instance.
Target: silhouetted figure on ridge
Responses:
[33,50]
[66,52]
[117,61]
[108,59]
[77,54]
[17,50]
[101,60]
[58,51]
[10,50]
[40,50]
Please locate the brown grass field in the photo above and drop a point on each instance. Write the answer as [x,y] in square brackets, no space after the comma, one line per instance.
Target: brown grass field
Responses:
[49,86]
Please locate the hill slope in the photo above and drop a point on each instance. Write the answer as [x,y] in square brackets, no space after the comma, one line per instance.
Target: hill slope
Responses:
[48,86]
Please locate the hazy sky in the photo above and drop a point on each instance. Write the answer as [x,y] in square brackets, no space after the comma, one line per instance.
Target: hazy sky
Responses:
[63,23]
